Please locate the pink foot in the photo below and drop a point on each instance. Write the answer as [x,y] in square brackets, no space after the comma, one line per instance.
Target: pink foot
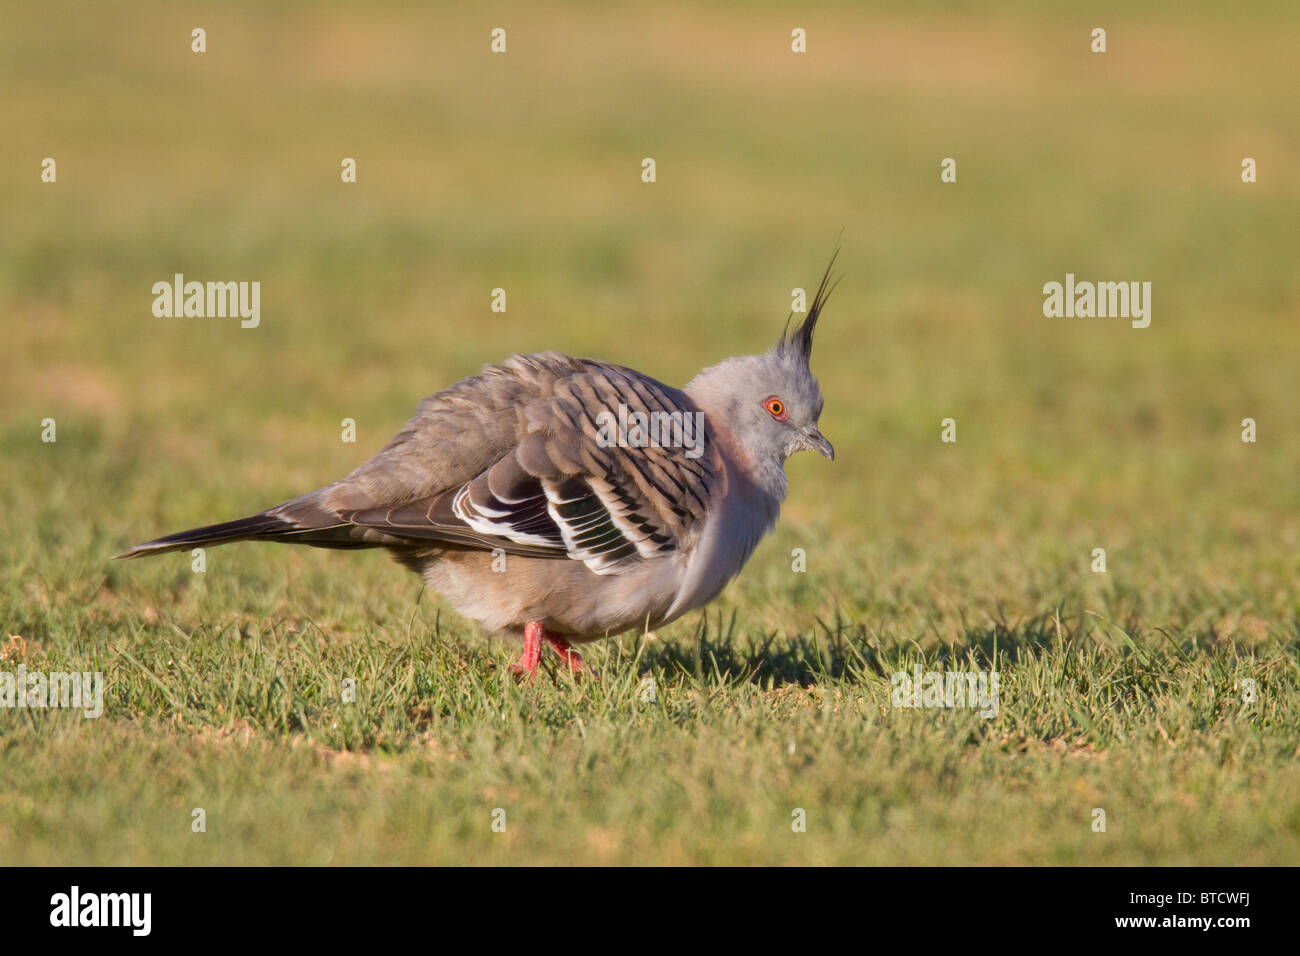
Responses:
[526,667]
[567,654]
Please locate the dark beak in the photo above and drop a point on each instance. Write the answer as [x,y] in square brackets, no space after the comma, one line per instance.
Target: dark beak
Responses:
[816,441]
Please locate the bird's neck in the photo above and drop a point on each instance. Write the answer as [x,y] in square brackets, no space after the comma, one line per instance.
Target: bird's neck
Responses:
[765,474]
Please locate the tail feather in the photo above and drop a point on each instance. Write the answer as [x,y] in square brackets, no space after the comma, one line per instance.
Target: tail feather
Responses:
[261,526]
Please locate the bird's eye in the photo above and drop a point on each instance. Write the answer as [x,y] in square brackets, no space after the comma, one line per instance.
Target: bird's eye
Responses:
[776,407]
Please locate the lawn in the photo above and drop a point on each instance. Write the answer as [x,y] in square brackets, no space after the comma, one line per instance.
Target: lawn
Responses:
[1162,691]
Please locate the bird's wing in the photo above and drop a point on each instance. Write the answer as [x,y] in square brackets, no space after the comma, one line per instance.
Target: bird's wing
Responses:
[544,455]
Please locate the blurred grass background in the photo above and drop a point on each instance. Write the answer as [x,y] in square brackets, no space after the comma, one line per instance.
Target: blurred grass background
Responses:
[522,171]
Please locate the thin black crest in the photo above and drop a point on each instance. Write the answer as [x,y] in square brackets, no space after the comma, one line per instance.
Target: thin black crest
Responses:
[801,339]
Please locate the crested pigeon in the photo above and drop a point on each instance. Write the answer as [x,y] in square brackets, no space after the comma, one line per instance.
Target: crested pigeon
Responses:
[561,499]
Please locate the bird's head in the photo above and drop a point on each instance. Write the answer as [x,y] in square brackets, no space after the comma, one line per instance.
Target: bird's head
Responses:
[771,402]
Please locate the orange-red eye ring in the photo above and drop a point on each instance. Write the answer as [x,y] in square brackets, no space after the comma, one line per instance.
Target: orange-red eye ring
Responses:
[776,408]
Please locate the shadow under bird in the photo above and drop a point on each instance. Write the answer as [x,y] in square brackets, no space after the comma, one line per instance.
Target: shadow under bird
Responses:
[564,499]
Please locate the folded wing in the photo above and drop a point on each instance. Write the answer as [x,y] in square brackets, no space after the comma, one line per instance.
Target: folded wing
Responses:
[537,458]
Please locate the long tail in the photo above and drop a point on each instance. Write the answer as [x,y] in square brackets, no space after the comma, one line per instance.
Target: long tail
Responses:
[264,527]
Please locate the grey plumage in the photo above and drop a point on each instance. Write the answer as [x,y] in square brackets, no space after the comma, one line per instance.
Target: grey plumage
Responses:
[599,531]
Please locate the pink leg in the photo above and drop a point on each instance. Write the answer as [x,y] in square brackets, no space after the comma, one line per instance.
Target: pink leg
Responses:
[527,665]
[567,654]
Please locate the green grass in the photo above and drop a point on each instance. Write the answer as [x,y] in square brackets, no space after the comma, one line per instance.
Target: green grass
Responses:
[247,723]
[1120,690]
